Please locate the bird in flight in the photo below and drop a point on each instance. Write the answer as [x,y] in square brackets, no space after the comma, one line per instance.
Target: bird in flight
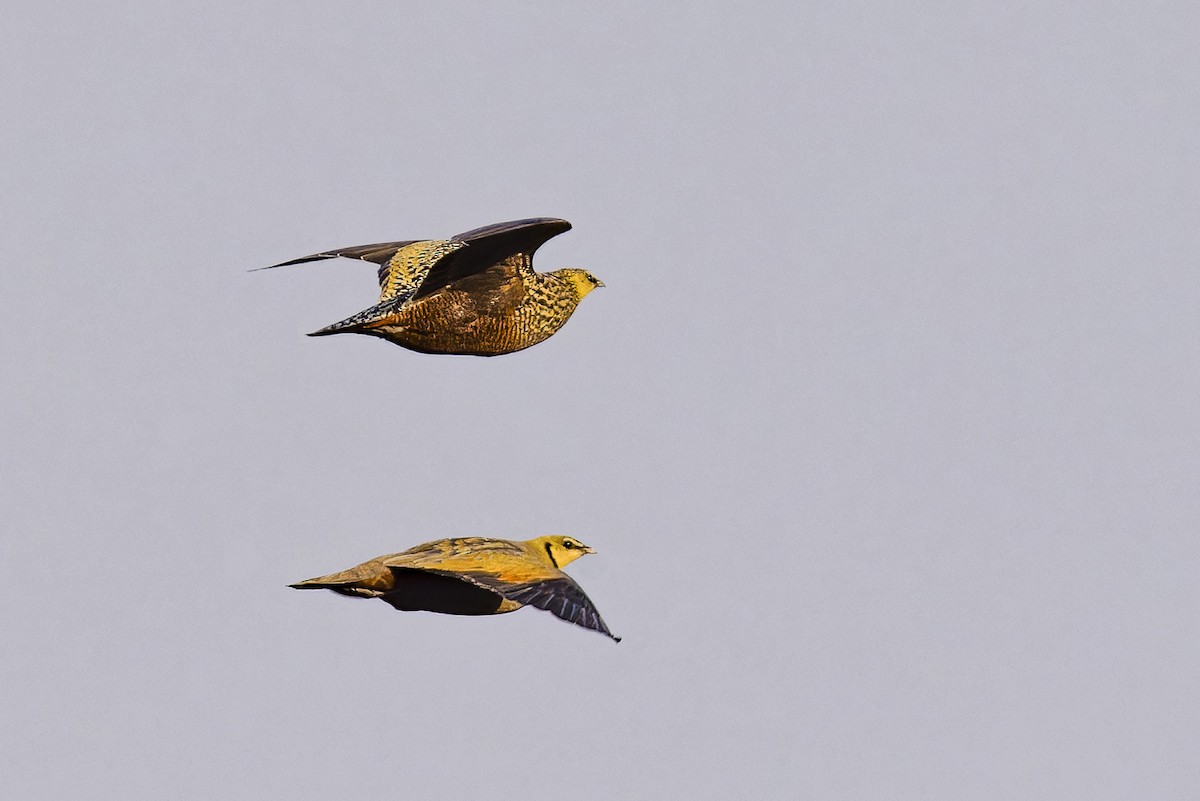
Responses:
[473,576]
[473,294]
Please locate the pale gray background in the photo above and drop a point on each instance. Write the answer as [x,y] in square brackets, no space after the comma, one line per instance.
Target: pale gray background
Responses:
[885,428]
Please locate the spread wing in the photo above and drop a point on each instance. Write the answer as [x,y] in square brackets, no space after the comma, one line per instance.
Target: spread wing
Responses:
[560,596]
[402,265]
[489,246]
[415,268]
[379,253]
[563,598]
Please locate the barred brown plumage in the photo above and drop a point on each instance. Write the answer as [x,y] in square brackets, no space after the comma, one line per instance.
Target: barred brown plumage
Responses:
[474,294]
[473,576]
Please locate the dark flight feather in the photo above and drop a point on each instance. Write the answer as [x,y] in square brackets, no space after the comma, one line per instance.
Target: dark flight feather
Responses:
[561,597]
[474,294]
[487,246]
[378,253]
[430,591]
[490,245]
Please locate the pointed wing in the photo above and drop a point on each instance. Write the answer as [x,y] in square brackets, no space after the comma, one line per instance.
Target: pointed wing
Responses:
[563,598]
[489,246]
[560,596]
[402,265]
[379,253]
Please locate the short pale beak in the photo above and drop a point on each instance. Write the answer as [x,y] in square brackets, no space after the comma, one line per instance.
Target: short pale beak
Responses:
[588,549]
[599,282]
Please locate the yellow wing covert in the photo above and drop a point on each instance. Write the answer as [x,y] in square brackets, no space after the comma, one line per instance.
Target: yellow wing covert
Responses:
[402,275]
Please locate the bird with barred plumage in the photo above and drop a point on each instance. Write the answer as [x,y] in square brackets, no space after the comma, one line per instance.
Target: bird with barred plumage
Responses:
[473,576]
[473,294]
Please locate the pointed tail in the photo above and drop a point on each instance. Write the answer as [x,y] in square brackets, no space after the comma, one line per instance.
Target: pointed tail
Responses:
[357,322]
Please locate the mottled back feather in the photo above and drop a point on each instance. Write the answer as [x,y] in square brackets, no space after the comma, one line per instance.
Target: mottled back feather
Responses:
[403,274]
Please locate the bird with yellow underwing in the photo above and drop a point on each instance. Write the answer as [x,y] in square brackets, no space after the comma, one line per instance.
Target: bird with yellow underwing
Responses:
[473,576]
[473,294]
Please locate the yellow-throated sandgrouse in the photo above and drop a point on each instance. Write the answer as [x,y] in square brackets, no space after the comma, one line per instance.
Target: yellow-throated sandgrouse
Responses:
[473,576]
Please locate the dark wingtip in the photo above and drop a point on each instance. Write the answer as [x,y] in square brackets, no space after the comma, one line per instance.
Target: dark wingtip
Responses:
[554,225]
[615,638]
[301,260]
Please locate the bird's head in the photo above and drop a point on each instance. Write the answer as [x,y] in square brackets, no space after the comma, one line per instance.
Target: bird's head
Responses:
[561,549]
[581,281]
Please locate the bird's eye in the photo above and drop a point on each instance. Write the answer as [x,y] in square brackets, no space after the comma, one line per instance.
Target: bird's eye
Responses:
[568,544]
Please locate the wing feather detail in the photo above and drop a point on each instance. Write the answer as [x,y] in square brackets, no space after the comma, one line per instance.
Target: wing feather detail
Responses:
[402,275]
[563,598]
[378,253]
[557,593]
[490,246]
[415,268]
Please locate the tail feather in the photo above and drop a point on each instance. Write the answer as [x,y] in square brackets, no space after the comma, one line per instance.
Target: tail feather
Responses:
[364,318]
[310,584]
[336,328]
[361,581]
[341,588]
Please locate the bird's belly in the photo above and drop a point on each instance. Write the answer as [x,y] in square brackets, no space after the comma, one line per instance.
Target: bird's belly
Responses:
[428,331]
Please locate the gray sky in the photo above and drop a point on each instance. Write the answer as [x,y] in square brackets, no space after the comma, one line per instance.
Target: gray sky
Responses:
[884,429]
